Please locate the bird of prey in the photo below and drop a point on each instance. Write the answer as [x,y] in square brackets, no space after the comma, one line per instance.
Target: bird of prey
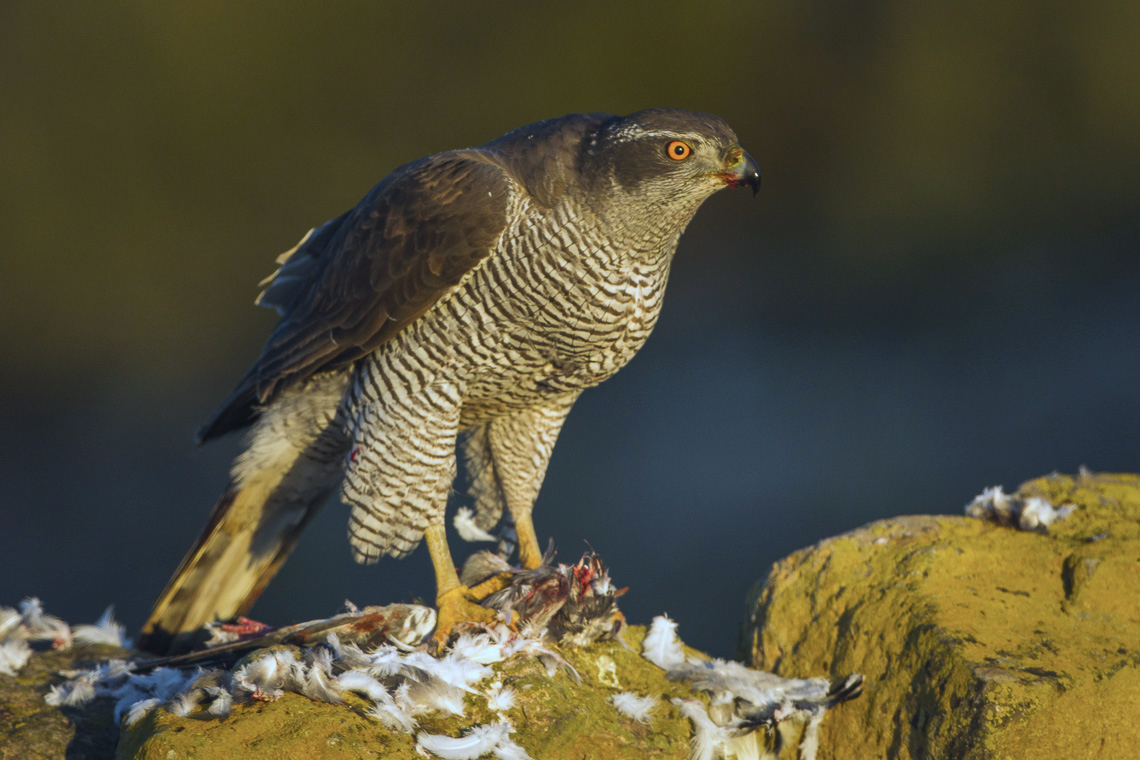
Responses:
[464,303]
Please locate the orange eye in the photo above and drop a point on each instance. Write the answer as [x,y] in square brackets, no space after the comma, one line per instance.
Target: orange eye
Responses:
[678,151]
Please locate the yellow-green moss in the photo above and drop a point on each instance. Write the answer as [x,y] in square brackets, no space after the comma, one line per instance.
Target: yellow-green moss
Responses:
[31,729]
[555,718]
[973,637]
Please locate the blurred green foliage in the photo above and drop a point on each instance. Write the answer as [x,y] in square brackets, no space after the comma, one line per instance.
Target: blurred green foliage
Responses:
[156,156]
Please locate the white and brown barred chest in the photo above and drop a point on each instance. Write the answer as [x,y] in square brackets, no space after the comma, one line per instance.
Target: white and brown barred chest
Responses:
[558,308]
[566,315]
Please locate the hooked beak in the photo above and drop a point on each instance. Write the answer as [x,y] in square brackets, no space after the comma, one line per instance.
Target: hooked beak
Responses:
[744,172]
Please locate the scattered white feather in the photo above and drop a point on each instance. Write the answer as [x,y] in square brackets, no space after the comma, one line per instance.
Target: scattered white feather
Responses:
[32,612]
[1031,513]
[661,645]
[348,655]
[269,675]
[105,631]
[10,620]
[434,694]
[393,716]
[531,644]
[500,698]
[1037,513]
[78,691]
[527,641]
[481,648]
[400,682]
[140,709]
[114,669]
[809,745]
[634,706]
[333,642]
[363,683]
[508,750]
[709,739]
[460,671]
[128,699]
[321,657]
[14,655]
[160,684]
[223,702]
[727,681]
[219,635]
[992,503]
[751,746]
[183,704]
[478,741]
[37,625]
[400,695]
[465,526]
[385,661]
[742,699]
[318,683]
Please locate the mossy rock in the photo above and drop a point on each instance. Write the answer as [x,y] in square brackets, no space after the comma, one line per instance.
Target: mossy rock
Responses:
[977,641]
[31,729]
[556,718]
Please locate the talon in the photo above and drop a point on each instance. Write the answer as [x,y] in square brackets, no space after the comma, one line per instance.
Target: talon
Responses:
[457,605]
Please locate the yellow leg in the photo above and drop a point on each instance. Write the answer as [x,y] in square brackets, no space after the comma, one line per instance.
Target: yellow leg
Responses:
[454,600]
[530,556]
[445,576]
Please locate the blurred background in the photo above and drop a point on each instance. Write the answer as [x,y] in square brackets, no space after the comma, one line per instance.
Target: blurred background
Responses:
[937,289]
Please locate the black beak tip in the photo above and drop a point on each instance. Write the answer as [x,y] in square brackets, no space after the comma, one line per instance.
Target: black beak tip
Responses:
[751,174]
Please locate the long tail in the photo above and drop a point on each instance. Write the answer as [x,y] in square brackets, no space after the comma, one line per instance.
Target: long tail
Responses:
[292,464]
[249,536]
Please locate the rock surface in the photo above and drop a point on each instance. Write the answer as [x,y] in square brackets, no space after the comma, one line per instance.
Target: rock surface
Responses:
[31,729]
[555,718]
[977,641]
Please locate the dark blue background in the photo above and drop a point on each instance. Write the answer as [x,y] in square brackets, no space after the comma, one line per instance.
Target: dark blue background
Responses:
[936,290]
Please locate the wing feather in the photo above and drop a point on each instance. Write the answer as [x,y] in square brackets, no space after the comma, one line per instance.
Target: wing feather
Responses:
[355,282]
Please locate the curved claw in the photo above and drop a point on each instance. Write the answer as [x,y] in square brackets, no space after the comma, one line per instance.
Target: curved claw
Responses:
[458,605]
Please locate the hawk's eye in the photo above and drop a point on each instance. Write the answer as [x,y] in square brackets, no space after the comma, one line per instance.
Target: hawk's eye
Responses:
[677,150]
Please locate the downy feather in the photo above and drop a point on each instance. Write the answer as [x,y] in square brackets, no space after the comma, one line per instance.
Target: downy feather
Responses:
[140,709]
[661,645]
[634,706]
[478,741]
[105,631]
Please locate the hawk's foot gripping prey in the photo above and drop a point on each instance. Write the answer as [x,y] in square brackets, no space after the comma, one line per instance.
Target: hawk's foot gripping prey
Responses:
[459,605]
[462,305]
[456,603]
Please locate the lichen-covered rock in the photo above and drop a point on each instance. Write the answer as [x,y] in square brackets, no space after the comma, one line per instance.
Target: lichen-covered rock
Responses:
[555,718]
[976,640]
[31,729]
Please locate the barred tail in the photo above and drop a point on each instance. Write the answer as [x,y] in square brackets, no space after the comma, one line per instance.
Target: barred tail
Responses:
[251,532]
[291,464]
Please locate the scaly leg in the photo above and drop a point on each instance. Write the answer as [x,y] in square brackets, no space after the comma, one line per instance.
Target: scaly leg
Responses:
[455,601]
[530,556]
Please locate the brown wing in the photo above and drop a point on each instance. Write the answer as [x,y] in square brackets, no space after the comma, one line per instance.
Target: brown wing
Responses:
[356,281]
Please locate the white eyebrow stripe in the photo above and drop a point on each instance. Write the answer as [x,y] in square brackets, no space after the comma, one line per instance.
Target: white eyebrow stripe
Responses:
[634,132]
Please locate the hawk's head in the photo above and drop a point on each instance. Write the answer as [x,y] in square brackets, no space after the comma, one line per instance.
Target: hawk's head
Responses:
[637,172]
[668,152]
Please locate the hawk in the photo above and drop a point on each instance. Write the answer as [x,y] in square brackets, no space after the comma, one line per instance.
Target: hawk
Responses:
[462,305]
